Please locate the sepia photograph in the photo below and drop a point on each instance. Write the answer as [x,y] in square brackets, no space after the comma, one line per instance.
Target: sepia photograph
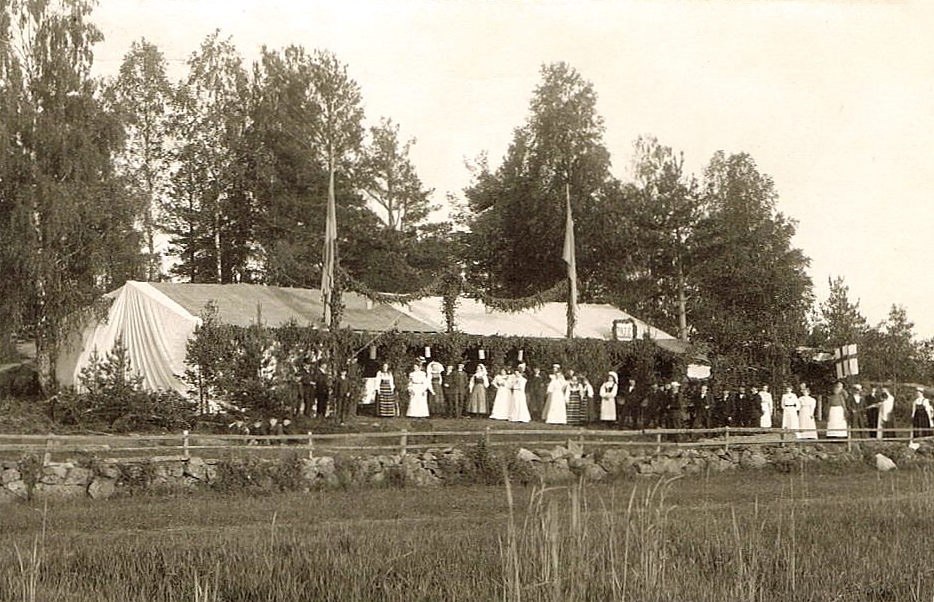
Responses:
[464,300]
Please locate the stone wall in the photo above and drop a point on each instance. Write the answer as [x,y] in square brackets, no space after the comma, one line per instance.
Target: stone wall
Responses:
[101,479]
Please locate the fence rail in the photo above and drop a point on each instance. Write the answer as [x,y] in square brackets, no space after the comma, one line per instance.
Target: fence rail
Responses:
[404,441]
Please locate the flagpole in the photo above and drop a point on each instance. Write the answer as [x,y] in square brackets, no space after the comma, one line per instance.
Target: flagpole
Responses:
[569,256]
[330,252]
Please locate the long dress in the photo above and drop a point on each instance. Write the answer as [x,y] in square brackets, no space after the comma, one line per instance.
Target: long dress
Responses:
[790,407]
[476,403]
[503,399]
[520,407]
[806,417]
[387,406]
[836,417]
[765,418]
[608,401]
[556,409]
[418,395]
[921,418]
[436,390]
[574,398]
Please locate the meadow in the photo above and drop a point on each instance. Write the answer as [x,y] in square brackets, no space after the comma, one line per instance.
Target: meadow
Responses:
[745,536]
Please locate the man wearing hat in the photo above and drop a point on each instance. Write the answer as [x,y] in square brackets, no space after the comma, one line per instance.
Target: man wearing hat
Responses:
[856,410]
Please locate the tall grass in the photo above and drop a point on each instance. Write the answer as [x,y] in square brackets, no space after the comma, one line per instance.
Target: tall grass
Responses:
[733,538]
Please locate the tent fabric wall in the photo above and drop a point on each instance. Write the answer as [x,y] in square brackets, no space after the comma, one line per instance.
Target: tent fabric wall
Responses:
[152,326]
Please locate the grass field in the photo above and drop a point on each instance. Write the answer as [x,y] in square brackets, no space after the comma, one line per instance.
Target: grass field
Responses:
[750,536]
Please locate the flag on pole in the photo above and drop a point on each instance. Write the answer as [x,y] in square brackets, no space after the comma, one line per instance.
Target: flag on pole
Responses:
[569,258]
[330,252]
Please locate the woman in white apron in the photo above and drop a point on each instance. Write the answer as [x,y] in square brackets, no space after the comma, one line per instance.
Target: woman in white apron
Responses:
[790,407]
[807,405]
[836,413]
[519,412]
[608,398]
[418,393]
[556,411]
[503,399]
[766,406]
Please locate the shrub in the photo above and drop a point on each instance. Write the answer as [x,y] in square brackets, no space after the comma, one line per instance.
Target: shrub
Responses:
[111,393]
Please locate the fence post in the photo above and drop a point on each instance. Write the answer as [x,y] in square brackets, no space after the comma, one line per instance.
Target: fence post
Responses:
[185,452]
[782,440]
[486,436]
[726,438]
[849,440]
[311,446]
[47,456]
[658,443]
[580,439]
[404,442]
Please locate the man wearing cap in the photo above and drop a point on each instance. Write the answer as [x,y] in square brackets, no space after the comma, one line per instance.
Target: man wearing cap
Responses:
[856,410]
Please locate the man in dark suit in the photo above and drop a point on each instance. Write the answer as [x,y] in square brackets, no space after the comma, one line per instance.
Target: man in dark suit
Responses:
[459,383]
[342,396]
[322,390]
[628,406]
[701,404]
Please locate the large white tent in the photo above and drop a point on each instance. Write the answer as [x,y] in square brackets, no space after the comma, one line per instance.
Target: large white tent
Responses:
[156,320]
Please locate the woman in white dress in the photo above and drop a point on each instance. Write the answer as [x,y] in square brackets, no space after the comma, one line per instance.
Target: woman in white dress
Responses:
[765,406]
[790,407]
[519,411]
[556,411]
[608,398]
[418,393]
[503,399]
[807,405]
[836,412]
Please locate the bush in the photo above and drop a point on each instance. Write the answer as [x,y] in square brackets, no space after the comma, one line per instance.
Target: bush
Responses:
[111,394]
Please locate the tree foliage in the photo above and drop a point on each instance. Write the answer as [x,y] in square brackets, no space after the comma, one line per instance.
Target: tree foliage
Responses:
[66,217]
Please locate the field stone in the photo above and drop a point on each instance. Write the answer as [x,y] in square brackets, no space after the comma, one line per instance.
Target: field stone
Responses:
[110,471]
[526,455]
[196,469]
[559,452]
[17,488]
[614,461]
[575,449]
[557,472]
[53,474]
[101,488]
[753,461]
[884,463]
[78,476]
[594,472]
[9,475]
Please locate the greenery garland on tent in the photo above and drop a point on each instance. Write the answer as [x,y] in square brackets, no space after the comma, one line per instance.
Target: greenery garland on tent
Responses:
[450,285]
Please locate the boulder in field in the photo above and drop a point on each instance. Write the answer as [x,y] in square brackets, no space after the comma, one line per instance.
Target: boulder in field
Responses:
[78,476]
[9,475]
[526,455]
[101,488]
[884,463]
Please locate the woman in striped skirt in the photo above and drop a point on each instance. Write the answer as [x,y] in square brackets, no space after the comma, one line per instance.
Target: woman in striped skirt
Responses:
[387,406]
[574,399]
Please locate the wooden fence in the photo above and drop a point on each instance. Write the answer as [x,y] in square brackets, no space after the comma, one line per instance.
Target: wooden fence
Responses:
[183,445]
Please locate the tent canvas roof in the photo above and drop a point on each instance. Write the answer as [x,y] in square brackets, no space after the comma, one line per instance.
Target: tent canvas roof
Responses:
[595,321]
[237,304]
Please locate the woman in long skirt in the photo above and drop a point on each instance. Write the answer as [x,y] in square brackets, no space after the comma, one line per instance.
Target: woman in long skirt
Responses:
[476,403]
[806,415]
[836,414]
[790,407]
[574,398]
[503,399]
[386,406]
[556,409]
[765,407]
[519,411]
[608,398]
[921,415]
[418,393]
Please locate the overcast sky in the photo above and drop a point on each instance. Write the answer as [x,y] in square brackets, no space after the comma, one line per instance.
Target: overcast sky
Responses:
[835,100]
